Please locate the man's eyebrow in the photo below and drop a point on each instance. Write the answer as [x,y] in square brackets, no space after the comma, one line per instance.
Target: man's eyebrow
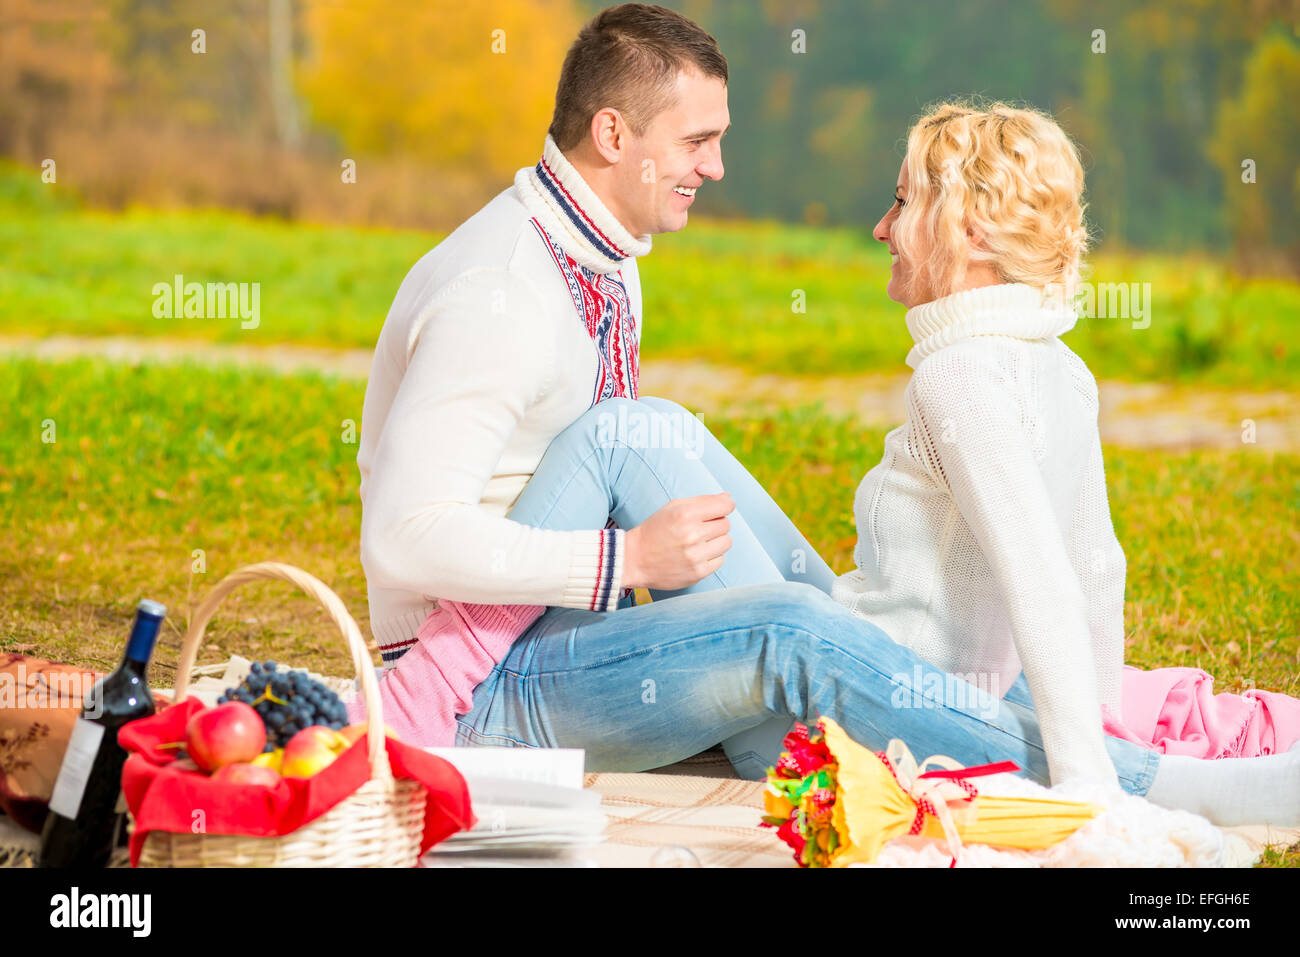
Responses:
[705,134]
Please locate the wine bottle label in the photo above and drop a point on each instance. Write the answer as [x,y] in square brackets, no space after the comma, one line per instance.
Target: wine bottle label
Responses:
[75,770]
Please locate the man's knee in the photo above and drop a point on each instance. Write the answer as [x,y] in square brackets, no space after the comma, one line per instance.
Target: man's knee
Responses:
[646,425]
[663,405]
[603,425]
[676,426]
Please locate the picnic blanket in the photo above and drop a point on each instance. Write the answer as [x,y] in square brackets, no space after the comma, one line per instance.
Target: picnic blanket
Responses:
[701,805]
[697,804]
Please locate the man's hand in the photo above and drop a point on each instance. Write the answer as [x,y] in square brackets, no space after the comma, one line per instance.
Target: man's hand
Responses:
[680,544]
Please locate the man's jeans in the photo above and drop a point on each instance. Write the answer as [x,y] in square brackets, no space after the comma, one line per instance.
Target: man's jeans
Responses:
[736,658]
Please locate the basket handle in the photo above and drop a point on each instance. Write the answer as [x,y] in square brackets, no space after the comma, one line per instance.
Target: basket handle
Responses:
[361,661]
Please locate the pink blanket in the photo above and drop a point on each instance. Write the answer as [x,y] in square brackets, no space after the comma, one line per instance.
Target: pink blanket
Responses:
[1175,711]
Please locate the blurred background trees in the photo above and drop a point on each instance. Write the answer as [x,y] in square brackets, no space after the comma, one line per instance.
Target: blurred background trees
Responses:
[439,101]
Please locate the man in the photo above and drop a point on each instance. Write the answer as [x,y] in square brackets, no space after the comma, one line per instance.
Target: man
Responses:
[509,330]
[487,352]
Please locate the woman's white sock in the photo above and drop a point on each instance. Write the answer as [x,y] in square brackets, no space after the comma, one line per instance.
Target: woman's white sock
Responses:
[1232,790]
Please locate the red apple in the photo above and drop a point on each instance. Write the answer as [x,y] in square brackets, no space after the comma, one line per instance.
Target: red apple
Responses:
[226,734]
[310,750]
[250,774]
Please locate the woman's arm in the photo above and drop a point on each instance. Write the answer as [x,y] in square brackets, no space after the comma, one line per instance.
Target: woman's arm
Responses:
[978,449]
[1101,567]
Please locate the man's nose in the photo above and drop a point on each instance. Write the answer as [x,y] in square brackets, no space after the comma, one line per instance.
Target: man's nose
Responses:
[712,166]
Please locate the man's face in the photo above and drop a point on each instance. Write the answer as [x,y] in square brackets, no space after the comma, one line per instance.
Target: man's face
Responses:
[679,150]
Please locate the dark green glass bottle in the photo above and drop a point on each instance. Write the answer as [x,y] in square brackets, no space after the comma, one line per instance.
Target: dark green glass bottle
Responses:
[84,817]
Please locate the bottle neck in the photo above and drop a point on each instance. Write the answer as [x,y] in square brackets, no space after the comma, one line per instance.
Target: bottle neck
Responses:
[139,646]
[132,667]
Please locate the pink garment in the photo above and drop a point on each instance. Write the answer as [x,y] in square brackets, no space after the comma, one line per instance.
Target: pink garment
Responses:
[1175,711]
[456,649]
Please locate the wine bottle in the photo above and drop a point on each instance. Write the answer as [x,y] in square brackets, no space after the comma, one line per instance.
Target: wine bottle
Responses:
[85,814]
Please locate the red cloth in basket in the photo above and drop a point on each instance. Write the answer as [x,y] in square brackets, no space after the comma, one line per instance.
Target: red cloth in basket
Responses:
[165,798]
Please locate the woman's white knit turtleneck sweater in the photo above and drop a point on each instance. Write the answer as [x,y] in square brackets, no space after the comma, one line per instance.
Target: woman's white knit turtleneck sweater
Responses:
[984,535]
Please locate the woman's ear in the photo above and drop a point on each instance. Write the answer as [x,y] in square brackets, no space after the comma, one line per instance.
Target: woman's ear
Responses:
[975,239]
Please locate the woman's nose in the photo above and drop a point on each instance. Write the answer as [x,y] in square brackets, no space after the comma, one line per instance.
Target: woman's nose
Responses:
[881,232]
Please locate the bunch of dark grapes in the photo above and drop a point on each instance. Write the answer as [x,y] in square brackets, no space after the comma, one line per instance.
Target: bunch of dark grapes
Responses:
[288,701]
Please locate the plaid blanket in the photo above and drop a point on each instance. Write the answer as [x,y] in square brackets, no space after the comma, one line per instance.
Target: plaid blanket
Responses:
[715,818]
[697,804]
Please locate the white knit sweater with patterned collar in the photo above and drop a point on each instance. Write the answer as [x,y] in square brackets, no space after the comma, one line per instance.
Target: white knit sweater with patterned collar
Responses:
[499,338]
[984,535]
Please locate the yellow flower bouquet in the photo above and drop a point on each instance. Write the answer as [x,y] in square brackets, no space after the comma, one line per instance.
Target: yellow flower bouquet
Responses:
[837,803]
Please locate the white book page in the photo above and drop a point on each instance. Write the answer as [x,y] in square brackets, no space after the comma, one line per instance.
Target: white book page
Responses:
[558,766]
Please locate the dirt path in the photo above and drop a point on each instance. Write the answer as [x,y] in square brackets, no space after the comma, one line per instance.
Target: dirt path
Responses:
[1139,415]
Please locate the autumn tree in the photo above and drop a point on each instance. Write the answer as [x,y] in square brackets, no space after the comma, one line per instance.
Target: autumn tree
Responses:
[464,85]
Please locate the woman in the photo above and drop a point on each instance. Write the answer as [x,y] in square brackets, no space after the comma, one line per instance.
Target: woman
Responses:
[985,543]
[984,537]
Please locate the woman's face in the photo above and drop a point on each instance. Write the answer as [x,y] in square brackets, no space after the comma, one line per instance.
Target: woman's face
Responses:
[902,270]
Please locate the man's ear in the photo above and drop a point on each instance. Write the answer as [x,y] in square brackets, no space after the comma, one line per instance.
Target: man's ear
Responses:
[607,131]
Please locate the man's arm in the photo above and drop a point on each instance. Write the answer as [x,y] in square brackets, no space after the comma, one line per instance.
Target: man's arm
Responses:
[482,353]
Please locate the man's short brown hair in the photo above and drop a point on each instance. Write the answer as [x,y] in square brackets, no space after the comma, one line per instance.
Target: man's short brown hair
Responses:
[628,57]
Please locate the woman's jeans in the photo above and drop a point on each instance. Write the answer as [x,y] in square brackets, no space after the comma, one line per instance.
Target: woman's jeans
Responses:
[740,656]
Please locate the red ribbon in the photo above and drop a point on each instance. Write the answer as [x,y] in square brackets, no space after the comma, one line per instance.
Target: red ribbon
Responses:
[923,805]
[1000,767]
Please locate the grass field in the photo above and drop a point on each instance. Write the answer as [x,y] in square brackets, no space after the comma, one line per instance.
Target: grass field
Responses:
[119,481]
[726,291]
[149,464]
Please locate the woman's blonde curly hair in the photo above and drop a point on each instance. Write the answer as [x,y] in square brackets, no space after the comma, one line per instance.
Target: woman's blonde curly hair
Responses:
[1011,174]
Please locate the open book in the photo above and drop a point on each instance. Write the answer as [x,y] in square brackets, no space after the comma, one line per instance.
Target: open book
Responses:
[529,803]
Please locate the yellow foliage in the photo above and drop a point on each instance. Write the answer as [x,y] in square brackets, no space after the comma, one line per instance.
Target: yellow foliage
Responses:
[469,85]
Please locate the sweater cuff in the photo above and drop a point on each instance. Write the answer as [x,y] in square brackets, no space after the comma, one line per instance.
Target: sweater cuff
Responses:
[396,635]
[595,570]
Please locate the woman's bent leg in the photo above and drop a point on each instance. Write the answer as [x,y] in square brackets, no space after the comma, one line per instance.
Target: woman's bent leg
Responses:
[647,686]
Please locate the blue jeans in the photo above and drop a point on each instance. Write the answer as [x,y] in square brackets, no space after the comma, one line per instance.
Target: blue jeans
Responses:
[740,656]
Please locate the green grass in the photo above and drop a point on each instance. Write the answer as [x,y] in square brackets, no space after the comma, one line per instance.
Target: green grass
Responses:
[1281,857]
[722,291]
[150,463]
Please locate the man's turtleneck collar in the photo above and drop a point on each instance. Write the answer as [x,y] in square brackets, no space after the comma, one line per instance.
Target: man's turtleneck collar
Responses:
[570,211]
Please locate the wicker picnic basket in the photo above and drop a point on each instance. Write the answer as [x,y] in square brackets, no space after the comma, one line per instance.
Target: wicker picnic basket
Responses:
[379,825]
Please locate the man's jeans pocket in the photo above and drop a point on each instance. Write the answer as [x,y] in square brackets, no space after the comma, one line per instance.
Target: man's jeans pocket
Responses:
[485,724]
